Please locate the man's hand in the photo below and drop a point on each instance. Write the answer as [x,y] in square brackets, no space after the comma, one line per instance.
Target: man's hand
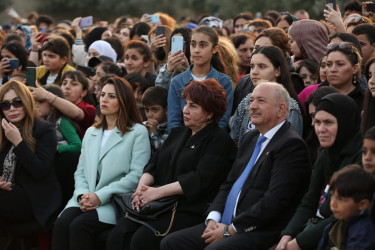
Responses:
[213,233]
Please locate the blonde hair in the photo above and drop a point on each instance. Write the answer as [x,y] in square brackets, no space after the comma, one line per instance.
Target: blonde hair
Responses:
[227,53]
[30,112]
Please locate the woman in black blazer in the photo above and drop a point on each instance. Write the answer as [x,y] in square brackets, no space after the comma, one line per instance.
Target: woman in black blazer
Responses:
[192,163]
[29,190]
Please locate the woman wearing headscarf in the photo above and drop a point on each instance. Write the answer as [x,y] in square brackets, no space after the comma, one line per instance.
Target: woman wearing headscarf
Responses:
[308,40]
[337,122]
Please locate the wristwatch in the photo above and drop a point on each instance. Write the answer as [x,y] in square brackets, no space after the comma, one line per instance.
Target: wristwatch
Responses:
[226,232]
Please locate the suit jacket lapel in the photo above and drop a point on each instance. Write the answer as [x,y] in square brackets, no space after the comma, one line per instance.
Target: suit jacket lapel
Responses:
[113,139]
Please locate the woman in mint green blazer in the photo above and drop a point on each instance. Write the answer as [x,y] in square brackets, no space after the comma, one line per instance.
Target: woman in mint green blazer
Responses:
[114,153]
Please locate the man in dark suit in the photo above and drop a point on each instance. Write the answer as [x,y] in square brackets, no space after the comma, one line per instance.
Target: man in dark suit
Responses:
[251,213]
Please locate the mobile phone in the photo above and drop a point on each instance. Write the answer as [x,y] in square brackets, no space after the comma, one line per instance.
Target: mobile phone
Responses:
[177,44]
[154,19]
[30,76]
[14,64]
[145,39]
[245,30]
[42,36]
[85,22]
[86,70]
[160,30]
[370,7]
[331,3]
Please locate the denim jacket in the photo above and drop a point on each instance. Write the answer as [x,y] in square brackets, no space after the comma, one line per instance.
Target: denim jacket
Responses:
[176,101]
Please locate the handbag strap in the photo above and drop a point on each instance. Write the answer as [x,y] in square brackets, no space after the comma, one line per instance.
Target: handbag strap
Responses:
[156,232]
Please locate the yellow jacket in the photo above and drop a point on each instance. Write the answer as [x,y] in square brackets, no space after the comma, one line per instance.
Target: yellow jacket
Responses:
[41,72]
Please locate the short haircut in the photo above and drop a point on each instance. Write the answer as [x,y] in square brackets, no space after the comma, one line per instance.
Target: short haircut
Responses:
[57,44]
[367,29]
[142,49]
[280,93]
[347,37]
[353,5]
[354,182]
[44,19]
[208,94]
[139,29]
[155,96]
[136,80]
[238,39]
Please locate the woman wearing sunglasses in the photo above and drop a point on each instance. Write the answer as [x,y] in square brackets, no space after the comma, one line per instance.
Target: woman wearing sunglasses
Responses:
[344,70]
[29,191]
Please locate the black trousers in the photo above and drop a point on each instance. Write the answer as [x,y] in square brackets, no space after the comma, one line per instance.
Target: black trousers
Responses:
[77,230]
[15,206]
[190,239]
[131,235]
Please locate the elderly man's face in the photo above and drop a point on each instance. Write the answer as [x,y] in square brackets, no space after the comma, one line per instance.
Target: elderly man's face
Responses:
[264,108]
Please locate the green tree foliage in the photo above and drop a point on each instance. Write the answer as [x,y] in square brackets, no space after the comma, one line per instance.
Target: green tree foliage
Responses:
[110,9]
[4,4]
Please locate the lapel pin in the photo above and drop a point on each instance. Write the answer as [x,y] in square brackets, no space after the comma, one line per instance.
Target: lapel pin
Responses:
[267,153]
[192,146]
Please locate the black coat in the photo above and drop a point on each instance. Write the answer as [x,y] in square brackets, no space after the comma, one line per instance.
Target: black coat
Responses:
[36,175]
[275,186]
[200,163]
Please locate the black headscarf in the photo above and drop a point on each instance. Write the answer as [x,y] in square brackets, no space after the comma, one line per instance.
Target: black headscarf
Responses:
[347,113]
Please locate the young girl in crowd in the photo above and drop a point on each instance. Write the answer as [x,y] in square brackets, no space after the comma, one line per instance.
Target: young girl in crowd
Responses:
[206,64]
[368,117]
[12,50]
[55,54]
[74,87]
[66,133]
[137,59]
[309,70]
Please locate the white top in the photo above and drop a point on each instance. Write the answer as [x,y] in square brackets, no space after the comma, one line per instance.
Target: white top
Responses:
[105,136]
[215,215]
[198,78]
[51,79]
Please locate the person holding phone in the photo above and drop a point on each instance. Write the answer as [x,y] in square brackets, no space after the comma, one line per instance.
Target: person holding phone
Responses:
[160,38]
[12,51]
[29,191]
[204,54]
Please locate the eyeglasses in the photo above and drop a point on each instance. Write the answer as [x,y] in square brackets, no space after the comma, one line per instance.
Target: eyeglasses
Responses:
[343,45]
[16,103]
[355,19]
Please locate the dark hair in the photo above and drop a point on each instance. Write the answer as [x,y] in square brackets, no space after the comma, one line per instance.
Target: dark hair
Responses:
[346,37]
[370,134]
[214,39]
[110,67]
[311,65]
[19,51]
[186,34]
[57,44]
[352,54]
[367,29]
[117,46]
[278,37]
[277,58]
[353,5]
[94,35]
[208,94]
[318,94]
[44,19]
[77,76]
[13,37]
[142,49]
[136,80]
[246,15]
[368,117]
[286,17]
[354,182]
[139,29]
[128,114]
[238,39]
[274,14]
[155,95]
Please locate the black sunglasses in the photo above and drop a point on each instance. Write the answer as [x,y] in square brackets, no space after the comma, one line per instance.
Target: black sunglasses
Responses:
[343,45]
[16,103]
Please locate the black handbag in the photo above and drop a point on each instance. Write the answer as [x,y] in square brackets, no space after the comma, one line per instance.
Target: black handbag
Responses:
[122,204]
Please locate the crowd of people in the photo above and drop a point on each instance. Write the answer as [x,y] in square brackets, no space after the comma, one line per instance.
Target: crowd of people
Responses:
[262,129]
